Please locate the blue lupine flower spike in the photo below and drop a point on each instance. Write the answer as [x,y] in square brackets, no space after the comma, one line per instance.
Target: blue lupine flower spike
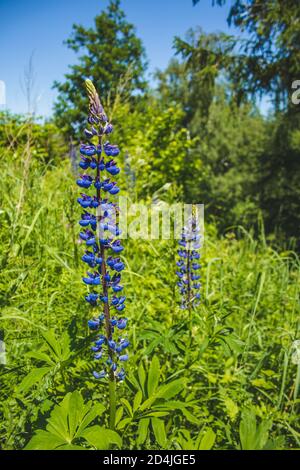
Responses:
[188,265]
[98,233]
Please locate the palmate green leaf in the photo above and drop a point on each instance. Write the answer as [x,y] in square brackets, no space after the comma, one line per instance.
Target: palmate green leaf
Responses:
[153,376]
[158,427]
[58,421]
[34,376]
[72,416]
[76,411]
[101,438]
[69,423]
[44,440]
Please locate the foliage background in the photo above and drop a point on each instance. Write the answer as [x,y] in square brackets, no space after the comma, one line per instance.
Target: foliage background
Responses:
[227,378]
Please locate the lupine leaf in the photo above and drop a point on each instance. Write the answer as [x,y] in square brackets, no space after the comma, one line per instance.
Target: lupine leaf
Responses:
[153,375]
[137,400]
[50,338]
[44,440]
[158,427]
[127,406]
[207,440]
[33,378]
[124,423]
[164,391]
[69,422]
[142,377]
[142,430]
[101,438]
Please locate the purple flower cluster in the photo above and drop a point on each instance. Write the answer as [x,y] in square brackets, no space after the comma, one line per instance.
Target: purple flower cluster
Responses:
[188,265]
[99,232]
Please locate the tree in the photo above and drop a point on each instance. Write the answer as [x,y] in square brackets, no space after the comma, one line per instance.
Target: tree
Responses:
[194,79]
[268,57]
[111,55]
[266,62]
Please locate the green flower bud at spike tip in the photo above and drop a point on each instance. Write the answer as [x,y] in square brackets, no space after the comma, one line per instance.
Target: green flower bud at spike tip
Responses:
[96,108]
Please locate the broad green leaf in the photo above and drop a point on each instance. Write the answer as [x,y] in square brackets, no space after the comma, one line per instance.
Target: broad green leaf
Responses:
[68,422]
[190,417]
[76,411]
[137,400]
[119,414]
[94,410]
[248,435]
[101,438]
[127,406]
[32,378]
[58,421]
[124,423]
[155,414]
[142,430]
[44,440]
[153,375]
[165,391]
[51,340]
[71,447]
[158,427]
[207,440]
[253,436]
[142,377]
[41,356]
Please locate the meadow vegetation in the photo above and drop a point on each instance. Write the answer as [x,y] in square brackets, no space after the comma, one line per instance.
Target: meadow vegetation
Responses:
[226,377]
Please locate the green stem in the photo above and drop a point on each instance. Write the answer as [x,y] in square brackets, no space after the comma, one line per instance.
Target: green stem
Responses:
[108,327]
[189,292]
[112,403]
[297,382]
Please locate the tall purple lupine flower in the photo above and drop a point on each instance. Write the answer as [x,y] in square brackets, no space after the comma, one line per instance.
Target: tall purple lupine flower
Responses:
[100,232]
[188,264]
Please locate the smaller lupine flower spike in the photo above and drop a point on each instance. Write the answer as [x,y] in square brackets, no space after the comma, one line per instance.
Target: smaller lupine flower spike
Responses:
[188,266]
[99,232]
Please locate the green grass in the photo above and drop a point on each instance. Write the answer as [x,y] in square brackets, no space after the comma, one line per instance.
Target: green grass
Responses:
[227,379]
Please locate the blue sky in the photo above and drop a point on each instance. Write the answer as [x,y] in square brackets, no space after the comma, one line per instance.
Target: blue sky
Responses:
[39,27]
